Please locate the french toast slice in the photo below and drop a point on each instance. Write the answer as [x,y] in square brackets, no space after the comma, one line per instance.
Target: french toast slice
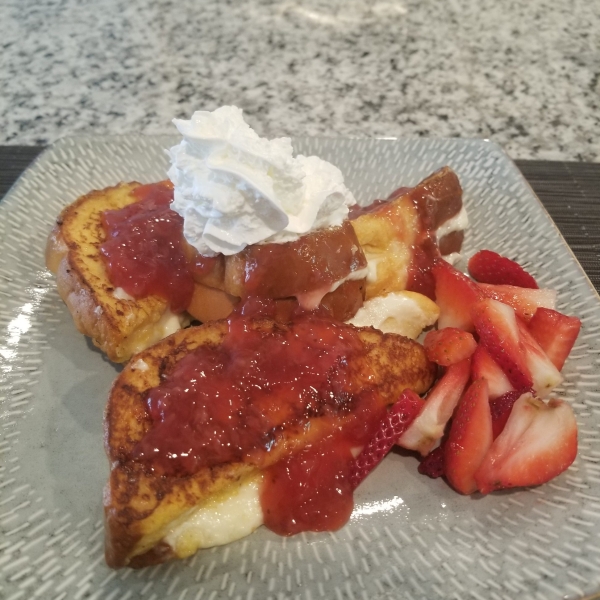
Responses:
[391,232]
[142,508]
[118,324]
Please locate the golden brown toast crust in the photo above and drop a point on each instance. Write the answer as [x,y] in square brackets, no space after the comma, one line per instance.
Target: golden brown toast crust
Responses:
[140,508]
[73,252]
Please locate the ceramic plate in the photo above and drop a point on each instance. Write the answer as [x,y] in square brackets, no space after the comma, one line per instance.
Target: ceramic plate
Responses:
[409,536]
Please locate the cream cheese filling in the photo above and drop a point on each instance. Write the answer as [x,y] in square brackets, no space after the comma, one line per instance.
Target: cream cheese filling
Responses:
[311,300]
[223,519]
[405,313]
[151,333]
[459,222]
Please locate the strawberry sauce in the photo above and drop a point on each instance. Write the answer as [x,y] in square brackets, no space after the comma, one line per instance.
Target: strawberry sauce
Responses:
[143,251]
[310,491]
[233,403]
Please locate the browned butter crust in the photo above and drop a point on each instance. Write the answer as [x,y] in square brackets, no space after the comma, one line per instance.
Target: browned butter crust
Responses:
[141,508]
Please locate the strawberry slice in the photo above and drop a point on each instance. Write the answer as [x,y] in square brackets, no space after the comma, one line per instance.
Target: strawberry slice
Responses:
[425,431]
[434,464]
[483,365]
[449,345]
[392,426]
[555,333]
[539,441]
[498,331]
[469,439]
[455,293]
[490,267]
[524,301]
[544,374]
[501,408]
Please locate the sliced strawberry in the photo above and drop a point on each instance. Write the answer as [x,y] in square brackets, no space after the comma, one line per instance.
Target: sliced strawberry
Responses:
[449,345]
[490,267]
[392,426]
[538,443]
[483,365]
[455,293]
[434,464]
[524,301]
[496,325]
[555,333]
[469,439]
[425,431]
[544,374]
[501,408]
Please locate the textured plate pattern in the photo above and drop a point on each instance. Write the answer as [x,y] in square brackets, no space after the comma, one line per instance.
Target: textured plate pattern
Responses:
[409,537]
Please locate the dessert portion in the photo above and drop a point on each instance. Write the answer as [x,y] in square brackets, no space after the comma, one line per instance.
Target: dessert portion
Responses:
[228,419]
[242,220]
[219,429]
[403,235]
[119,324]
[274,410]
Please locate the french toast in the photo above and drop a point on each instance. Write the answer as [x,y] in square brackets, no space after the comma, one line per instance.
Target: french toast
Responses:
[392,235]
[121,325]
[118,324]
[142,506]
[395,233]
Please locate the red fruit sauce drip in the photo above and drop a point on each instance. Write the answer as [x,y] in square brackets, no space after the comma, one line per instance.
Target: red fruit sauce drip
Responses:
[310,491]
[230,403]
[420,276]
[143,251]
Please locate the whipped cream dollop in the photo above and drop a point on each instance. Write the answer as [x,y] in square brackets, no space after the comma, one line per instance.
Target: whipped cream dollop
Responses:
[234,188]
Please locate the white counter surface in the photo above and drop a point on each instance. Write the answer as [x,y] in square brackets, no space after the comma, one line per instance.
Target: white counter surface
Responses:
[525,74]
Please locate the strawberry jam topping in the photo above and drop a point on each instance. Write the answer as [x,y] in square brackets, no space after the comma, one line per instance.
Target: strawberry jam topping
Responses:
[234,402]
[311,490]
[143,251]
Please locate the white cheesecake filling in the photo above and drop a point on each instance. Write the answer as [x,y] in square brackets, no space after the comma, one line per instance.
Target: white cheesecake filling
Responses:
[405,313]
[151,333]
[222,520]
[459,222]
[311,300]
[120,294]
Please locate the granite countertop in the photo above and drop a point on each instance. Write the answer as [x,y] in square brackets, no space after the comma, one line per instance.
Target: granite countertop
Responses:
[525,74]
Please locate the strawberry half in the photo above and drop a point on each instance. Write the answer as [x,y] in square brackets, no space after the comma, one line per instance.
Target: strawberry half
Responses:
[524,301]
[455,293]
[393,425]
[498,331]
[555,333]
[469,439]
[449,345]
[483,365]
[544,374]
[539,441]
[424,432]
[490,267]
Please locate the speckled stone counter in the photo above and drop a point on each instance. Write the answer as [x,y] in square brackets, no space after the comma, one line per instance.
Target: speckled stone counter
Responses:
[525,74]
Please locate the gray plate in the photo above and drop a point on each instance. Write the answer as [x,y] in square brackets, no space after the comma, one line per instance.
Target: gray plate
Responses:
[409,537]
